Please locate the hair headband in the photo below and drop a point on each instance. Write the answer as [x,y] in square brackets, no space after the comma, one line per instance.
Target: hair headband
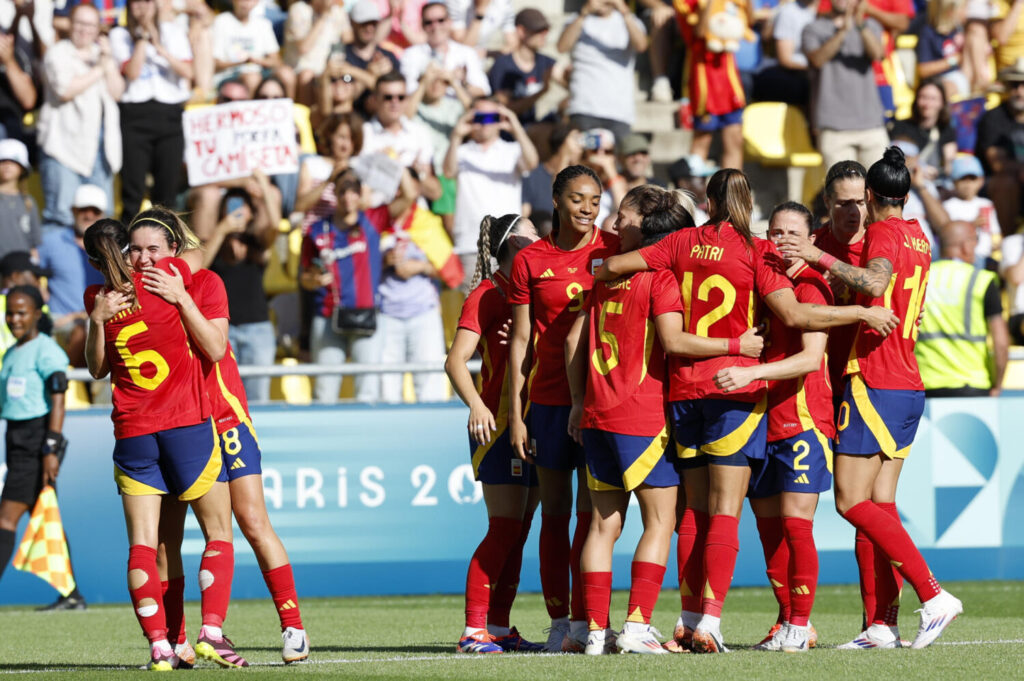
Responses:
[508,231]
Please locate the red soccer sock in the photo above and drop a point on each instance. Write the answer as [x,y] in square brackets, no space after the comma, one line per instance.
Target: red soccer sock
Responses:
[693,532]
[554,563]
[598,589]
[803,568]
[776,560]
[508,582]
[865,552]
[888,535]
[281,584]
[888,581]
[173,592]
[144,588]
[644,590]
[485,568]
[578,606]
[719,562]
[216,569]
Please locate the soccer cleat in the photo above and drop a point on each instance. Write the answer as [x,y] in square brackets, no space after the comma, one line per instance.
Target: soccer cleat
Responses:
[557,632]
[296,645]
[936,614]
[812,638]
[600,642]
[162,662]
[513,642]
[571,644]
[645,642]
[681,641]
[478,642]
[875,636]
[219,651]
[72,602]
[706,641]
[796,639]
[186,655]
[773,641]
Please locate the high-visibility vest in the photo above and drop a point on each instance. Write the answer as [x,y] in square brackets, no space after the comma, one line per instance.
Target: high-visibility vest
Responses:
[952,344]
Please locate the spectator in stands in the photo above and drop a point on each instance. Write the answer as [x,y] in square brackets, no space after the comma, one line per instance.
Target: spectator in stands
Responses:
[405,23]
[635,161]
[392,133]
[845,106]
[245,47]
[940,47]
[110,11]
[963,314]
[156,60]
[339,138]
[923,203]
[691,174]
[489,172]
[784,78]
[661,27]
[567,145]
[310,31]
[339,88]
[63,253]
[521,77]
[196,18]
[364,51]
[18,93]
[966,206]
[19,217]
[238,252]
[1000,149]
[36,31]
[603,40]
[978,43]
[477,22]
[456,58]
[1011,268]
[1008,32]
[931,129]
[79,124]
[205,201]
[341,266]
[599,155]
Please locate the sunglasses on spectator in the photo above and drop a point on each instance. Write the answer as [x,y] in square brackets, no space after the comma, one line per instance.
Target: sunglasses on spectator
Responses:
[393,98]
[431,22]
[347,78]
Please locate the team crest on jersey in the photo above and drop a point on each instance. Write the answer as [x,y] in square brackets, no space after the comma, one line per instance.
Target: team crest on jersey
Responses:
[595,264]
[517,468]
[572,270]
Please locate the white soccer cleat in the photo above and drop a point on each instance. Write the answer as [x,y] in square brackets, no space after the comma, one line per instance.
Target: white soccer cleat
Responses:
[796,640]
[875,636]
[558,630]
[773,641]
[296,645]
[936,614]
[644,642]
[600,642]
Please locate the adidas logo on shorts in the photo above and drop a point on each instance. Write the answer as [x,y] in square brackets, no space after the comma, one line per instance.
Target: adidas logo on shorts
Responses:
[802,478]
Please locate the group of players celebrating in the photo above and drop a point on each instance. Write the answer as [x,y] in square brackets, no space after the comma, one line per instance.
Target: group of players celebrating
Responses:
[634,363]
[184,437]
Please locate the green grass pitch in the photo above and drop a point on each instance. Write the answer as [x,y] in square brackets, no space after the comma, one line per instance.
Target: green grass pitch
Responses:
[414,638]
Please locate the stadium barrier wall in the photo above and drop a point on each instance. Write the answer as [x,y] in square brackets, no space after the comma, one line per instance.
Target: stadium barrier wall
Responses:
[381,500]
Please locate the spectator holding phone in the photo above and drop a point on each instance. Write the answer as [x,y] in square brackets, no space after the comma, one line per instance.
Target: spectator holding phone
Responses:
[489,172]
[452,56]
[364,51]
[966,206]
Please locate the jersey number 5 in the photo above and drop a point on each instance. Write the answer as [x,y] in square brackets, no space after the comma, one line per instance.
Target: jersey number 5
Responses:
[134,361]
[605,364]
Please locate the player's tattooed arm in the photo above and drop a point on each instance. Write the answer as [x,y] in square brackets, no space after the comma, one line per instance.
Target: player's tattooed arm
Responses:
[871,280]
[815,317]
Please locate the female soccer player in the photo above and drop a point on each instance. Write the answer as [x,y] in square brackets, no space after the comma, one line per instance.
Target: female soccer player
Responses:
[550,280]
[617,376]
[32,385]
[784,490]
[509,483]
[883,401]
[166,442]
[156,235]
[724,274]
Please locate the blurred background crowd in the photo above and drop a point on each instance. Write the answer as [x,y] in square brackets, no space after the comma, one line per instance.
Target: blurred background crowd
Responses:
[477,104]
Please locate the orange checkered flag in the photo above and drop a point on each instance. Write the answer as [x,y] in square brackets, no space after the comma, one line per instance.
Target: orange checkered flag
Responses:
[44,549]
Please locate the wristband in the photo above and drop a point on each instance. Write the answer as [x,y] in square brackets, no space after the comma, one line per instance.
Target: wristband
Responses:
[612,180]
[826,261]
[734,346]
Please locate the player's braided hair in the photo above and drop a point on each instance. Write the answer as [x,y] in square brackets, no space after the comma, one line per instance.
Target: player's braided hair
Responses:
[731,201]
[179,237]
[106,244]
[492,244]
[561,183]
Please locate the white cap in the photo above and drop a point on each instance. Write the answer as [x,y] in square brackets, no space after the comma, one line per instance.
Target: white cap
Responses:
[365,11]
[90,196]
[14,150]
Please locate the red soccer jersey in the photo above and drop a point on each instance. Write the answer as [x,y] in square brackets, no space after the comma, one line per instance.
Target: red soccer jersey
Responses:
[156,376]
[840,338]
[713,80]
[485,312]
[555,284]
[722,279]
[798,404]
[889,363]
[223,382]
[625,362]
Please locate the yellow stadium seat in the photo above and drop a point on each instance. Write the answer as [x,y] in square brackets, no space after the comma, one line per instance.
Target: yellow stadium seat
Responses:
[77,395]
[907,41]
[292,389]
[1014,377]
[776,134]
[902,87]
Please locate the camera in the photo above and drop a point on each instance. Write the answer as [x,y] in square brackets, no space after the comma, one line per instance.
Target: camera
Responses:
[591,141]
[486,117]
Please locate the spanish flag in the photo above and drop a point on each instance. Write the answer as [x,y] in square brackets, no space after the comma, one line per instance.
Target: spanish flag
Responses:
[44,549]
[427,231]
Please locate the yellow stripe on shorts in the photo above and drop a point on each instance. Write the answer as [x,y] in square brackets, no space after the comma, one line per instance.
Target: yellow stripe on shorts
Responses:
[873,419]
[210,472]
[734,441]
[641,468]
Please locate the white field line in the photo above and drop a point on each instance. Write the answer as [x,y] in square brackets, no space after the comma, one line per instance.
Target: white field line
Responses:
[419,658]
